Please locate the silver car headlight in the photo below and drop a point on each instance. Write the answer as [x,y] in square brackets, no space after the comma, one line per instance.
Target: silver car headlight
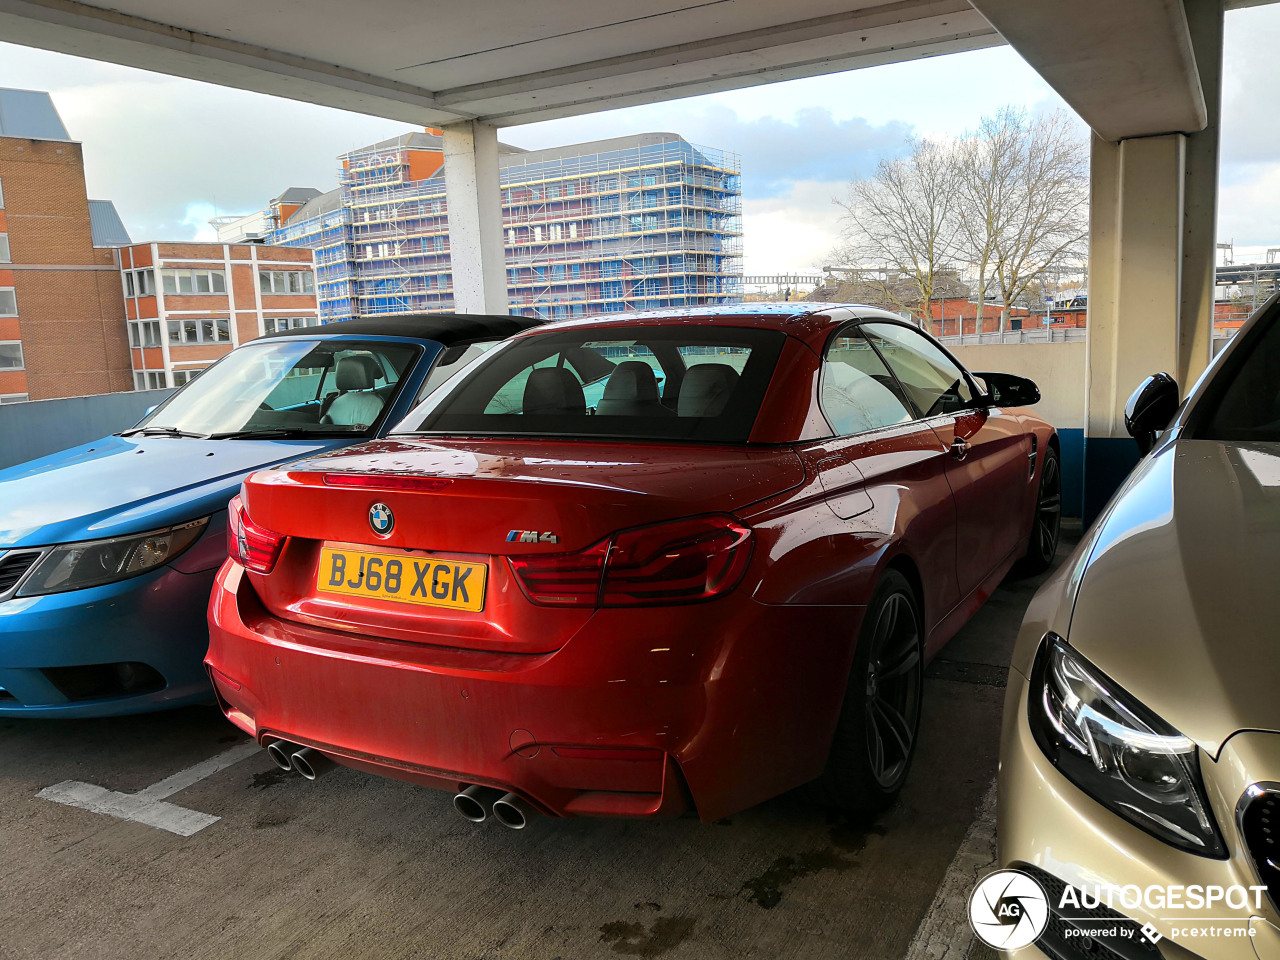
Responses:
[91,563]
[1119,752]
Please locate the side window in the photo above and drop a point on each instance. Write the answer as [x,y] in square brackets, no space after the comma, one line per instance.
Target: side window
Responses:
[857,393]
[931,379]
[452,363]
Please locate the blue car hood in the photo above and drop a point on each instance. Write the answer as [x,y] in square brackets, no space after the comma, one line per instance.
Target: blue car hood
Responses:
[123,485]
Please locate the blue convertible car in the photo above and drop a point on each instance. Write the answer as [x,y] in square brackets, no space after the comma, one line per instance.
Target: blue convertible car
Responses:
[108,550]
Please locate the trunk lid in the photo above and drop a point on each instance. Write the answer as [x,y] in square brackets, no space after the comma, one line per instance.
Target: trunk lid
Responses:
[491,499]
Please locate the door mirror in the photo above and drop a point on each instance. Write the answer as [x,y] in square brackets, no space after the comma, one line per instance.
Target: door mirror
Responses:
[1007,390]
[1150,408]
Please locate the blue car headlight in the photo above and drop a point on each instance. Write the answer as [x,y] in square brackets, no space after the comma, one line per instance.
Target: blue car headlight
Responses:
[91,563]
[1119,752]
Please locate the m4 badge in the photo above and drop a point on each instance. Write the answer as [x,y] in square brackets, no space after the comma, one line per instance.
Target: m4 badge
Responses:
[532,536]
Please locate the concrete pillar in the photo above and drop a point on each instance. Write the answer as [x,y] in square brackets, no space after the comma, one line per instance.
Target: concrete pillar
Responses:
[1200,212]
[475,218]
[1151,265]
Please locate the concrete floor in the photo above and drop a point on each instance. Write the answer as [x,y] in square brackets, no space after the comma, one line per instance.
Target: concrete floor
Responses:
[356,866]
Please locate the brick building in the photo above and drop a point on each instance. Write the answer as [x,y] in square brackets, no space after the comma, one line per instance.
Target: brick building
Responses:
[61,313]
[189,303]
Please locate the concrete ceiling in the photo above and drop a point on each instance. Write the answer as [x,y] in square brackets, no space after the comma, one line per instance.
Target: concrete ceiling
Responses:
[1126,66]
[507,61]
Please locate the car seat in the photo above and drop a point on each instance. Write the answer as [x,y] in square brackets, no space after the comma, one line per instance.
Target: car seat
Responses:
[353,407]
[706,389]
[632,391]
[553,391]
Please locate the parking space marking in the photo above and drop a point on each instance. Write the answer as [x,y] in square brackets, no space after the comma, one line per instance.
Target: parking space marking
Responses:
[148,806]
[944,933]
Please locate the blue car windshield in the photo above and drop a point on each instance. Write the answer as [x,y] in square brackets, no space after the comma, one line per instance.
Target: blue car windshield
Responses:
[288,387]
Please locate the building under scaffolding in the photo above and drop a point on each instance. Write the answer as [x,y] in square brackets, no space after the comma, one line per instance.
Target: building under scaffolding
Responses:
[625,224]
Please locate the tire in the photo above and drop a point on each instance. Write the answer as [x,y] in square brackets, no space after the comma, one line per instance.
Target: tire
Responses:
[875,737]
[1046,522]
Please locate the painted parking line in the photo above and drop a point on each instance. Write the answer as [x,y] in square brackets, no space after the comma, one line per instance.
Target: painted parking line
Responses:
[148,806]
[945,933]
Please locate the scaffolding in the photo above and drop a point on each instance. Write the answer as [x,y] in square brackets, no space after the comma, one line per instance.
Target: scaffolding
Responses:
[636,223]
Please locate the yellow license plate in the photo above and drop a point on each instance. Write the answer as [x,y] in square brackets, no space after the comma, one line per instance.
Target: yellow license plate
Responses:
[433,583]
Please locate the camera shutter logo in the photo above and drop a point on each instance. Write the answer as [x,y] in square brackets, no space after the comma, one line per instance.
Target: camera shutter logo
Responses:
[1008,910]
[381,519]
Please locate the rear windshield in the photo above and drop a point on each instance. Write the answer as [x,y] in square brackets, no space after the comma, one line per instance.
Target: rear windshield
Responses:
[661,383]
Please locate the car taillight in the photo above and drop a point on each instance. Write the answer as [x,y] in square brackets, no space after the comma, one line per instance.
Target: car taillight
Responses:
[256,547]
[562,579]
[683,561]
[680,562]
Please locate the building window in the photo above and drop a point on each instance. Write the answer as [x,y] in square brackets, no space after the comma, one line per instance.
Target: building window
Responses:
[8,302]
[144,333]
[2,198]
[140,283]
[11,355]
[181,377]
[4,248]
[288,281]
[200,330]
[276,324]
[193,281]
[14,397]
[149,380]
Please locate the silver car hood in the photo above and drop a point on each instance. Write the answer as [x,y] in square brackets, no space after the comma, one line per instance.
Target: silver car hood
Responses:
[1180,603]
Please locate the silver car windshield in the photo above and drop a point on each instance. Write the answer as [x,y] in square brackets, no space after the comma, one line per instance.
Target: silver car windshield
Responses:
[288,387]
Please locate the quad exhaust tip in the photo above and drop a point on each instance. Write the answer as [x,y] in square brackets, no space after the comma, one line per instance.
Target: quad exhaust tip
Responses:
[513,812]
[307,761]
[311,763]
[475,802]
[281,753]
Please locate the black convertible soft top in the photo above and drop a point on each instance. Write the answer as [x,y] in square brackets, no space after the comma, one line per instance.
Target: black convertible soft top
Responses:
[444,328]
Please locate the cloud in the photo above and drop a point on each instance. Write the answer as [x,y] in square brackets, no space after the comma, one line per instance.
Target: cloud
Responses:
[793,231]
[162,147]
[1249,206]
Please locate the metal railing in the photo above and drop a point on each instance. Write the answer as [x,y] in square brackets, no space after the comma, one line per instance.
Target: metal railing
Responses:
[1041,335]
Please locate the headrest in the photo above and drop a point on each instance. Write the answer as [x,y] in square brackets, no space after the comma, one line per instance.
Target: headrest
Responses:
[553,391]
[358,372]
[706,389]
[632,380]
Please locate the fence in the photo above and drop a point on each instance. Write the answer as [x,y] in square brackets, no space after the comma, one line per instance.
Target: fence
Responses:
[40,427]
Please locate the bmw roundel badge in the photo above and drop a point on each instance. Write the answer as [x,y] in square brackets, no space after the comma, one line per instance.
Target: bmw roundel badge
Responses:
[381,519]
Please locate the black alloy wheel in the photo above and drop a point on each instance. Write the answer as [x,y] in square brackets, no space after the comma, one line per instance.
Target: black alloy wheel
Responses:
[1046,526]
[875,737]
[893,681]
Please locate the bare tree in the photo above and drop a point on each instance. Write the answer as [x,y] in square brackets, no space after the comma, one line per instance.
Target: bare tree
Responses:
[986,198]
[898,223]
[1009,201]
[1043,208]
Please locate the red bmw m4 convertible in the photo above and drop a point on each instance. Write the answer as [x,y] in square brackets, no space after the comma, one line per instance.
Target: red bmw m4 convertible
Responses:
[632,565]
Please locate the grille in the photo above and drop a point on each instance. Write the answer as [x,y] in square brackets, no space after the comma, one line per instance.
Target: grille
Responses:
[1260,828]
[1058,944]
[13,566]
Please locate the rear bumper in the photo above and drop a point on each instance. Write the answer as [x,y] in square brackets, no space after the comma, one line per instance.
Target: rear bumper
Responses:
[725,704]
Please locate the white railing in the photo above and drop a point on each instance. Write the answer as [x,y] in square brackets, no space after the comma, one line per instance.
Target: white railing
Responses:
[1034,335]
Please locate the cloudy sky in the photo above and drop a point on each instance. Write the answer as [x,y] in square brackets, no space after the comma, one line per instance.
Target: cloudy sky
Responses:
[171,153]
